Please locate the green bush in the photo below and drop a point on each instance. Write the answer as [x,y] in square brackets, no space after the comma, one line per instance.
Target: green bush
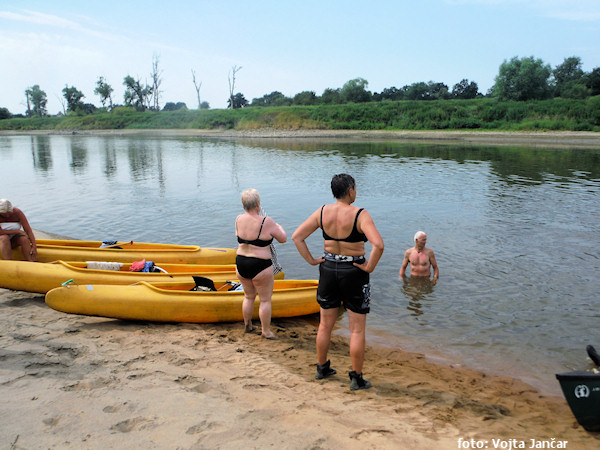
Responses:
[482,113]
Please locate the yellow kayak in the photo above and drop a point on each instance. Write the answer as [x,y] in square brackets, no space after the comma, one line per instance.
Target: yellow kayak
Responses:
[73,250]
[175,302]
[41,277]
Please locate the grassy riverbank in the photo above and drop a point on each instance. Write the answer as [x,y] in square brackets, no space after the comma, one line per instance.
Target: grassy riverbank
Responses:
[479,114]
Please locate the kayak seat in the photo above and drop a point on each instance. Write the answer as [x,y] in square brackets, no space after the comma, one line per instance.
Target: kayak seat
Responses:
[104,265]
[203,284]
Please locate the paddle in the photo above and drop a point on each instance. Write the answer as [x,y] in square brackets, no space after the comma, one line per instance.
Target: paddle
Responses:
[118,245]
[593,354]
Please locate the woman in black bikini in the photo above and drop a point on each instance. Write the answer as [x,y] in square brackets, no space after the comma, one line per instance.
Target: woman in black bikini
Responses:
[343,272]
[254,266]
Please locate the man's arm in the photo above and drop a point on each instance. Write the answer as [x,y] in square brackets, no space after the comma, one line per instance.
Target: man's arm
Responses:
[405,262]
[432,260]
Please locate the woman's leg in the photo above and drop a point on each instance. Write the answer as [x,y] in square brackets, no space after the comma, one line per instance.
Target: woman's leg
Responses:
[328,317]
[248,303]
[5,246]
[357,324]
[23,241]
[264,282]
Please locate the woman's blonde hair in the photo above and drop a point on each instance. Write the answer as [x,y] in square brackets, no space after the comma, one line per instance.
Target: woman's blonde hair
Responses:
[250,199]
[5,206]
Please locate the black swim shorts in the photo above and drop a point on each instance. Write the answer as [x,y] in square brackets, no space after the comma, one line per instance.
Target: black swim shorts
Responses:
[341,282]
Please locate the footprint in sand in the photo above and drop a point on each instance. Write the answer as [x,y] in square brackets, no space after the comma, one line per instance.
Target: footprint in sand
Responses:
[137,423]
[194,384]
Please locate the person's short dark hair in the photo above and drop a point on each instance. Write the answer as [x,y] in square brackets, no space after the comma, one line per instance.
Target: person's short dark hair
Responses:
[341,185]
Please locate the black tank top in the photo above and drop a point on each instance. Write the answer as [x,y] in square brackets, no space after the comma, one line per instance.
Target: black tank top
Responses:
[354,236]
[256,242]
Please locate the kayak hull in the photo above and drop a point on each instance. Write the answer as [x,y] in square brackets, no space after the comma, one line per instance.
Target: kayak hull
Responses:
[73,250]
[174,302]
[42,277]
[582,392]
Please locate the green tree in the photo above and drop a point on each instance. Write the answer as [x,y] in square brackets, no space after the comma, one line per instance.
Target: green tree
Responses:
[465,90]
[275,98]
[104,91]
[438,91]
[135,94]
[331,96]
[355,91]
[391,93]
[170,106]
[523,79]
[567,74]
[4,113]
[73,97]
[575,89]
[239,101]
[305,98]
[417,91]
[36,101]
[593,81]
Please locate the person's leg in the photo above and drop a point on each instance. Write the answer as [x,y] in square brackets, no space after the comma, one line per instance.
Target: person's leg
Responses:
[248,303]
[357,324]
[264,282]
[5,246]
[326,323]
[23,241]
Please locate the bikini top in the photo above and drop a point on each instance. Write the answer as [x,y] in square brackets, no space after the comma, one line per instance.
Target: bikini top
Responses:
[256,242]
[354,236]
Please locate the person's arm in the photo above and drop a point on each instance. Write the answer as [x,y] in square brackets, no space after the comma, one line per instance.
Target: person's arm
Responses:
[28,230]
[405,262]
[370,230]
[436,272]
[299,237]
[9,232]
[277,231]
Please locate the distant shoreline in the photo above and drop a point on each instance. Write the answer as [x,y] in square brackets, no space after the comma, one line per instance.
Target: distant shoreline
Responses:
[585,139]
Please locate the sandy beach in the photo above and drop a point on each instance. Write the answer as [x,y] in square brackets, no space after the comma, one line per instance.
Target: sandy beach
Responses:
[71,381]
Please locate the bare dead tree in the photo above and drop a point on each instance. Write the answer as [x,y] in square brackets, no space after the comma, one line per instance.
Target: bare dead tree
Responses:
[156,81]
[63,103]
[231,78]
[197,86]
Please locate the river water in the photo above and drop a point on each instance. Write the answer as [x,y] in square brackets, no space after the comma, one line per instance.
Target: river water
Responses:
[516,230]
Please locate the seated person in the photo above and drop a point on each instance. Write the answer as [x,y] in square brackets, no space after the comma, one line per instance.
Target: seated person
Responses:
[15,232]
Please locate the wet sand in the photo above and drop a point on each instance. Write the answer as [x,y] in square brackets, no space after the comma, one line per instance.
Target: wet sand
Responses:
[71,381]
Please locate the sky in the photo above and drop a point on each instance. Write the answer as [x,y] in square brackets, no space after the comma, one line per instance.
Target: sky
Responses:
[279,45]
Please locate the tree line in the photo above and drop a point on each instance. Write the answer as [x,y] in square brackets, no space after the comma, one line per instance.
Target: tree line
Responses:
[518,79]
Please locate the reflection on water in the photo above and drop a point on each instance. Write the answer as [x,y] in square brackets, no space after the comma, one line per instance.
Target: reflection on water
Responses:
[41,154]
[417,290]
[79,156]
[516,231]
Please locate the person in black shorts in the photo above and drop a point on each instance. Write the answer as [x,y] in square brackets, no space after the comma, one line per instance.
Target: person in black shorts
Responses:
[343,272]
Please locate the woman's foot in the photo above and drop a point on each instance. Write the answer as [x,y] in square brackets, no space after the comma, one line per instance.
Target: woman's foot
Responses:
[249,328]
[270,336]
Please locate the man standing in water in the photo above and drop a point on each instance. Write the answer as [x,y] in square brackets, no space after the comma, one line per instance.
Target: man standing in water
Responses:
[421,259]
